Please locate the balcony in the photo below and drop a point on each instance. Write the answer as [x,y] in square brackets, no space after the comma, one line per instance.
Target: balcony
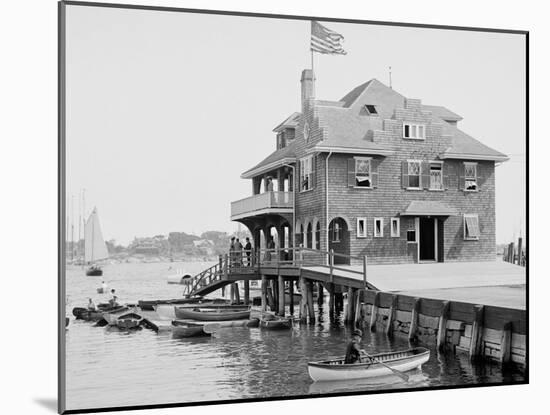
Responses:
[263,204]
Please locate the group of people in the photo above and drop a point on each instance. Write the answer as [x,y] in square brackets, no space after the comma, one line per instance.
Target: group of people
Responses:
[239,255]
[113,301]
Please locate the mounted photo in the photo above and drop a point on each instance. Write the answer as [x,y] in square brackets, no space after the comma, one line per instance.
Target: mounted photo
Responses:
[256,207]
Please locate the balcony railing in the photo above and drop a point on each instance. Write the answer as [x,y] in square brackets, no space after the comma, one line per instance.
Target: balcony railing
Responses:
[280,201]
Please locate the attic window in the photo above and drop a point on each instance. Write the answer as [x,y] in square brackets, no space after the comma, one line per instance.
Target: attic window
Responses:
[371,109]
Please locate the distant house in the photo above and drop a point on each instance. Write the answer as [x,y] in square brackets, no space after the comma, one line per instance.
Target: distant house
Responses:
[375,174]
[145,246]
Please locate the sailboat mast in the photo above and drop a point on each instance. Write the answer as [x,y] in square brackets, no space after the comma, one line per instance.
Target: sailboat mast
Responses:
[93,226]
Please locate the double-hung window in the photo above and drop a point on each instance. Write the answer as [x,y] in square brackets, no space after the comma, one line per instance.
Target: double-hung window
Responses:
[363,172]
[436,176]
[411,231]
[306,173]
[378,227]
[394,227]
[413,174]
[361,227]
[471,227]
[414,131]
[470,177]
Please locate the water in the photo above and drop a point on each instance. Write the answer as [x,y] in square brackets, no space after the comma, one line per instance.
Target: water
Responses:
[107,367]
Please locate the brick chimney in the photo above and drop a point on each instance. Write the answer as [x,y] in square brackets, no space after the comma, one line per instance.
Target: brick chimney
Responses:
[307,87]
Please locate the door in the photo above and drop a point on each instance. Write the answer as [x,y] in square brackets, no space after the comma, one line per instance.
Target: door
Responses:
[339,240]
[427,239]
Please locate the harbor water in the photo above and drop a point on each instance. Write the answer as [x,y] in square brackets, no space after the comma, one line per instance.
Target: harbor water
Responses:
[106,367]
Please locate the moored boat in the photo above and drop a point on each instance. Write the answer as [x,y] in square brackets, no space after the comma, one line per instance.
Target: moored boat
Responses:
[112,316]
[213,313]
[182,329]
[129,321]
[330,370]
[150,304]
[276,324]
[94,245]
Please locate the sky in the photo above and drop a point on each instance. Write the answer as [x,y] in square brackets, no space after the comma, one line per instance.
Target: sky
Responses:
[166,110]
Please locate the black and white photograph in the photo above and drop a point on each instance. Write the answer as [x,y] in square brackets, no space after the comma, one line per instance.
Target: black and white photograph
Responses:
[262,207]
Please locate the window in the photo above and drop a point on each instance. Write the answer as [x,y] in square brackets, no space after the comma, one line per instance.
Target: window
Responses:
[362,172]
[395,227]
[413,167]
[306,131]
[470,177]
[306,173]
[411,231]
[414,131]
[361,227]
[318,236]
[436,176]
[471,228]
[336,232]
[371,109]
[378,227]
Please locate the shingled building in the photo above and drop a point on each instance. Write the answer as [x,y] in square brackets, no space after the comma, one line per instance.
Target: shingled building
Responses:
[374,174]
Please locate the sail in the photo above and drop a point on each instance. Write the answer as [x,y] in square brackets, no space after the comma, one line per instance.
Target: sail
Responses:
[94,245]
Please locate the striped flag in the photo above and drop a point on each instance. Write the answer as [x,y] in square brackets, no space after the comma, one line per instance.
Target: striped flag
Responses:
[325,41]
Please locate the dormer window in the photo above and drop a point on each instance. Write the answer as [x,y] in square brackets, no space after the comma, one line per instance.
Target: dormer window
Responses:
[414,131]
[371,109]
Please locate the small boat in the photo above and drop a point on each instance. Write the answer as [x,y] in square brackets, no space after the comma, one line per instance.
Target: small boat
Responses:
[212,313]
[112,316]
[82,313]
[182,329]
[129,321]
[179,278]
[150,304]
[276,324]
[94,245]
[330,370]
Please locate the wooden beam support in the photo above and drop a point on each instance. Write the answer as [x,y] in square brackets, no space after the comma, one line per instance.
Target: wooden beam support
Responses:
[414,319]
[310,307]
[374,311]
[391,316]
[506,343]
[330,289]
[442,326]
[350,308]
[359,295]
[291,297]
[477,332]
[246,292]
[320,294]
[237,294]
[264,293]
[281,284]
[303,300]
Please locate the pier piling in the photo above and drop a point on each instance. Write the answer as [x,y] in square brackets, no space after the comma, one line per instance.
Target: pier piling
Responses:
[442,325]
[246,292]
[477,332]
[303,300]
[391,316]
[506,343]
[281,285]
[310,307]
[291,297]
[374,311]
[264,293]
[414,319]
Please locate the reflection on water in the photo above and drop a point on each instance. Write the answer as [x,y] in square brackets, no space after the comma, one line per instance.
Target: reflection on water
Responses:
[108,367]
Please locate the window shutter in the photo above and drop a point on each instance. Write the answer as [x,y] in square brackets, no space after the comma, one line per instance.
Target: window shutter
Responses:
[405,174]
[445,173]
[424,175]
[374,172]
[351,172]
[461,177]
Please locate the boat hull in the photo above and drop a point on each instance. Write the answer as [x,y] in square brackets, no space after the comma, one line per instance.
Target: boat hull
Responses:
[185,329]
[150,304]
[212,315]
[129,321]
[336,370]
[95,272]
[277,324]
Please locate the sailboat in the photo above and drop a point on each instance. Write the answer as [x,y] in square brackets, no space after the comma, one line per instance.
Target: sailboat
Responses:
[94,245]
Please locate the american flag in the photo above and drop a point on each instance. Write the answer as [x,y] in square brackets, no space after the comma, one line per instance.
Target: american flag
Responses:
[325,41]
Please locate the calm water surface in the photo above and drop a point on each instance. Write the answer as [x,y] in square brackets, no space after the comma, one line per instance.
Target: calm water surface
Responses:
[107,367]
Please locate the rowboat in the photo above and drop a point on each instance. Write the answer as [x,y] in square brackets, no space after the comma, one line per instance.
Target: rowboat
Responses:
[271,321]
[129,321]
[212,313]
[330,370]
[182,329]
[82,313]
[150,304]
[112,316]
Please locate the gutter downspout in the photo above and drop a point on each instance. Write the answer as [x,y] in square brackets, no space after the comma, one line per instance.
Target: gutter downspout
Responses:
[326,200]
[294,205]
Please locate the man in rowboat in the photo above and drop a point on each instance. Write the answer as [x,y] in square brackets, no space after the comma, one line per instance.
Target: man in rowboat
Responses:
[353,349]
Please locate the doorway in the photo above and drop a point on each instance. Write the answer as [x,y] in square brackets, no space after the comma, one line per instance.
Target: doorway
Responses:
[428,238]
[339,240]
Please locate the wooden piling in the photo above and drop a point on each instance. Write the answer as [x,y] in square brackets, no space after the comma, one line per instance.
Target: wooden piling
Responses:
[275,291]
[246,292]
[310,307]
[374,311]
[281,284]
[303,300]
[270,299]
[264,293]
[350,308]
[338,302]
[520,247]
[330,289]
[506,343]
[291,297]
[391,316]
[477,332]
[358,301]
[442,326]
[237,294]
[414,319]
[320,294]
[231,293]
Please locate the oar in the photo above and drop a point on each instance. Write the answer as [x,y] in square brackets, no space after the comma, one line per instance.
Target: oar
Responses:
[397,372]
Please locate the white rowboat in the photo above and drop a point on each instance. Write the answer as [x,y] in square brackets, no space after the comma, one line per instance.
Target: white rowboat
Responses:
[403,361]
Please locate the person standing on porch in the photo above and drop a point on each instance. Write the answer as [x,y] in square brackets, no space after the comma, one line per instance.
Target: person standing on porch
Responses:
[248,251]
[232,251]
[238,253]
